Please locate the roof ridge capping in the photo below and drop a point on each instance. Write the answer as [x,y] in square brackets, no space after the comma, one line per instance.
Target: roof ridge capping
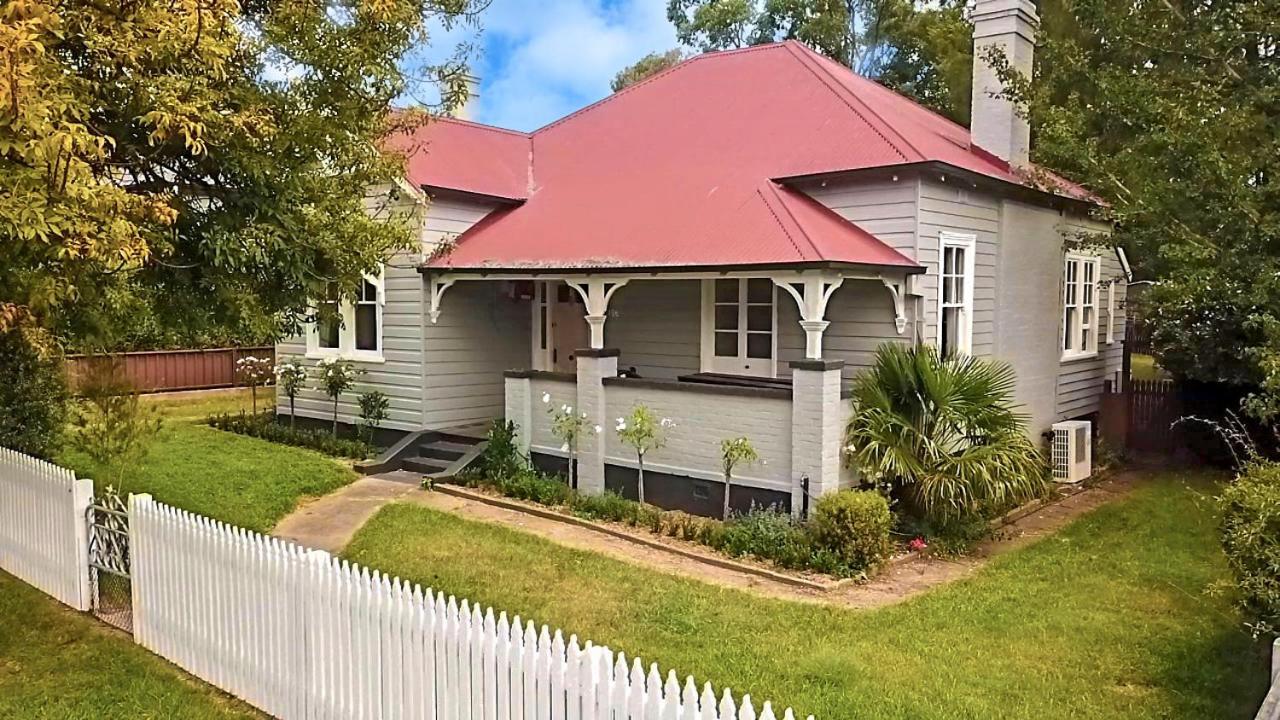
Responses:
[479,125]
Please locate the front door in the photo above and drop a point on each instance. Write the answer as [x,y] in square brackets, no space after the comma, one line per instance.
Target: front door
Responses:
[742,320]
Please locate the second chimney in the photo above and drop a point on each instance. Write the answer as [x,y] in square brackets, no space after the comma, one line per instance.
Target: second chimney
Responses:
[995,125]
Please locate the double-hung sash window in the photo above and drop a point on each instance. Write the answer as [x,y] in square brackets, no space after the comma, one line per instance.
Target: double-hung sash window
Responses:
[740,326]
[350,328]
[955,294]
[1080,306]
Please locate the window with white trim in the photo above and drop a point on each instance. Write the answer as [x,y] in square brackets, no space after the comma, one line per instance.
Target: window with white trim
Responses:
[955,293]
[1111,311]
[740,326]
[1080,306]
[350,328]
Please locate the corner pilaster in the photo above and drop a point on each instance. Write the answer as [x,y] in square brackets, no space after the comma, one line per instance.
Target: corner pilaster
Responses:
[817,432]
[593,367]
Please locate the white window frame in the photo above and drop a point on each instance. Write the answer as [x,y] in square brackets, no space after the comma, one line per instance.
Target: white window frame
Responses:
[967,243]
[347,332]
[1081,295]
[730,366]
[543,309]
[1111,311]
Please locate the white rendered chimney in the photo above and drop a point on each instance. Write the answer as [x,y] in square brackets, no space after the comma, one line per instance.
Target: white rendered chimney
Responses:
[995,125]
[468,104]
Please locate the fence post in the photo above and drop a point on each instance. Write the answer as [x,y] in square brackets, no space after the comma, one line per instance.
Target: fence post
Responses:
[138,570]
[81,499]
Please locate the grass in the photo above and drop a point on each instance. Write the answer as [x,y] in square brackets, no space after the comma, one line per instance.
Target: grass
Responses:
[57,663]
[1144,367]
[1107,619]
[237,479]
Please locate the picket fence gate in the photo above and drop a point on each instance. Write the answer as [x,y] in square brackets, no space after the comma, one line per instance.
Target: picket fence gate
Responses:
[301,634]
[43,535]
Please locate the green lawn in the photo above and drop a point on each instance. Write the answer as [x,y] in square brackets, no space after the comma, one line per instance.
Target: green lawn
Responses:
[58,663]
[1108,619]
[1143,367]
[241,480]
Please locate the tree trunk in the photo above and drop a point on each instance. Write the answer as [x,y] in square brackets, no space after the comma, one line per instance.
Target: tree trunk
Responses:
[335,416]
[640,484]
[293,413]
[728,486]
[573,475]
[253,390]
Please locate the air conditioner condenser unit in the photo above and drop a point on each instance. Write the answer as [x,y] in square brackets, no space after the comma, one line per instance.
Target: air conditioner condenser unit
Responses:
[1072,451]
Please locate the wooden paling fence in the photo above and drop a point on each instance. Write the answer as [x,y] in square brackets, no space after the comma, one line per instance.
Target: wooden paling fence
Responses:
[301,634]
[1154,407]
[43,532]
[170,370]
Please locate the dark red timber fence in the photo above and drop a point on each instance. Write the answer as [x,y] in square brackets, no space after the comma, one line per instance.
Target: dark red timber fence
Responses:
[1141,414]
[171,370]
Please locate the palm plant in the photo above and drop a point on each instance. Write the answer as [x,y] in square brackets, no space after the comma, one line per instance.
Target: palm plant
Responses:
[943,432]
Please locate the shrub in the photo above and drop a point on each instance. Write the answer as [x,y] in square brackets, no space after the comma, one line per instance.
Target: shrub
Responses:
[336,376]
[942,432]
[854,526]
[266,427]
[769,535]
[1251,541]
[113,427]
[290,377]
[33,396]
[373,411]
[501,457]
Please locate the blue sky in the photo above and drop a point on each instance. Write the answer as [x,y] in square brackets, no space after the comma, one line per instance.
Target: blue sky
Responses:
[539,60]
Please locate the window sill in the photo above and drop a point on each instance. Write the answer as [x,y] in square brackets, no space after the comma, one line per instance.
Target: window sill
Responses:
[365,358]
[1073,357]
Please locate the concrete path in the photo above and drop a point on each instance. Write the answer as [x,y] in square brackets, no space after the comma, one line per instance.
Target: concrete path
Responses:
[329,522]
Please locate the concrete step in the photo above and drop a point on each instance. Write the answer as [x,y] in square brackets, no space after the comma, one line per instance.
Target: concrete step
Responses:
[425,465]
[444,449]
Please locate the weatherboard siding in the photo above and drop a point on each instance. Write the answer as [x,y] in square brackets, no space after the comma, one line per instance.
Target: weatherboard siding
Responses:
[657,326]
[944,208]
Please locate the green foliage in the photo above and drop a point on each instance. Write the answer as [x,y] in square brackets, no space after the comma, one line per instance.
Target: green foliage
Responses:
[1251,541]
[254,371]
[1168,112]
[734,452]
[643,432]
[336,376]
[373,411]
[651,64]
[854,525]
[501,457]
[291,377]
[112,426]
[33,396]
[265,427]
[567,426]
[208,158]
[942,432]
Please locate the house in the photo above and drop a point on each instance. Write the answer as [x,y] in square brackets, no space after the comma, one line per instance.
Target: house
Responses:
[728,242]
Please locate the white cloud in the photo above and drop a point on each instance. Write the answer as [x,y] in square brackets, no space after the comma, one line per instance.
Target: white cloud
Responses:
[542,60]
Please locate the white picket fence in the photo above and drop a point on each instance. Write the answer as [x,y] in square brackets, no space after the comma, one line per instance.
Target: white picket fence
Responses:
[43,531]
[300,634]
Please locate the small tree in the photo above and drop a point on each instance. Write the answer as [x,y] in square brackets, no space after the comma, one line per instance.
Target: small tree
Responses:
[291,377]
[642,431]
[254,371]
[113,427]
[734,452]
[336,377]
[568,426]
[373,410]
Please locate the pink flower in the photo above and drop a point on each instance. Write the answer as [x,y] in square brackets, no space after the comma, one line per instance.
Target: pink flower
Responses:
[917,544]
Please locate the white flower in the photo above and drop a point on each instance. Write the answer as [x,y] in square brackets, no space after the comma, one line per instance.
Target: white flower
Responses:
[599,429]
[564,447]
[764,462]
[667,423]
[622,425]
[566,409]
[546,398]
[584,416]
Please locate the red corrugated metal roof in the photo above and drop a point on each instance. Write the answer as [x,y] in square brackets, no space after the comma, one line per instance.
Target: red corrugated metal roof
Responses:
[468,157]
[677,170]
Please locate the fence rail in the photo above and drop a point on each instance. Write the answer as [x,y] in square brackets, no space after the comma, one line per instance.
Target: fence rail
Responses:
[43,538]
[301,634]
[171,370]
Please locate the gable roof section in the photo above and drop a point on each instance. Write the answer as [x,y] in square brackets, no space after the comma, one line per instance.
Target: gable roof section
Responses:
[680,170]
[468,157]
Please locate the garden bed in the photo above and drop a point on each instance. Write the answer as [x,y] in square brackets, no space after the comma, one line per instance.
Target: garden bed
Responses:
[675,546]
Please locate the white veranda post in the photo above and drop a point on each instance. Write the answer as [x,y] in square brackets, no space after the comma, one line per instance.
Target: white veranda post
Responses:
[811,293]
[596,293]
